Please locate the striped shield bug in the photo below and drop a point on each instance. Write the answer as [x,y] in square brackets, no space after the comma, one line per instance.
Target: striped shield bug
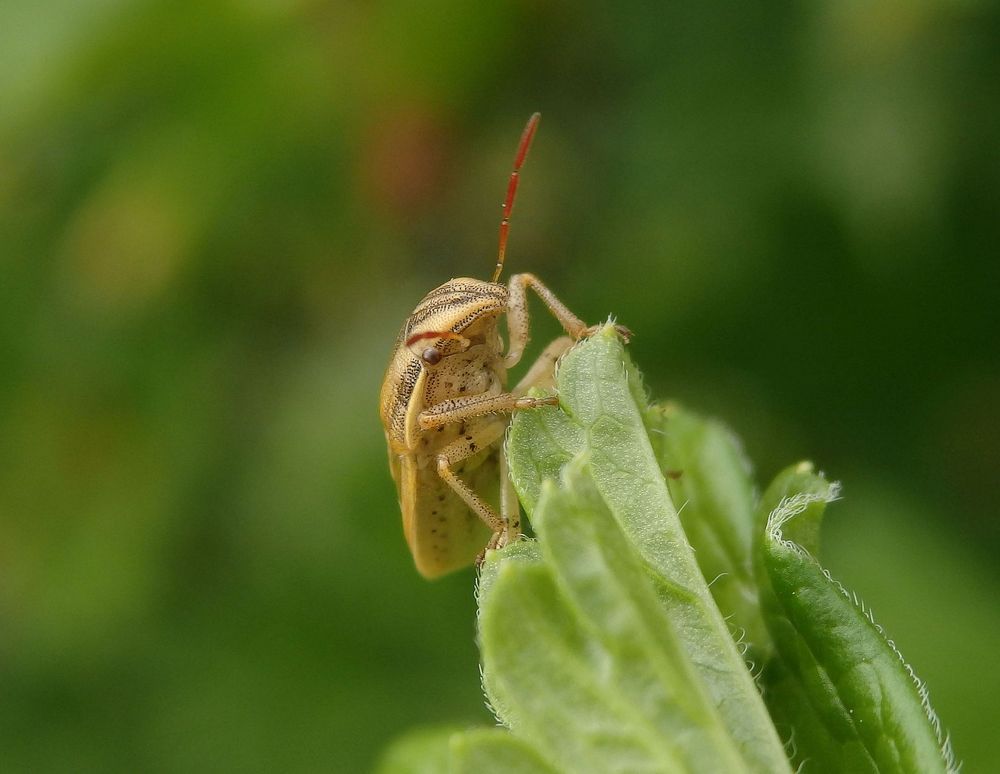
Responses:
[445,406]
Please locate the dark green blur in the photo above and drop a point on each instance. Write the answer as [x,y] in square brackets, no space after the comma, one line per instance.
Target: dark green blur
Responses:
[214,217]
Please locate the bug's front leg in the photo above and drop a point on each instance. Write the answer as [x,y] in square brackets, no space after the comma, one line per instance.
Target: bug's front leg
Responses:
[518,321]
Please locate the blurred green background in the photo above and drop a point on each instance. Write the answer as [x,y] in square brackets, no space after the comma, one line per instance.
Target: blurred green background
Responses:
[214,216]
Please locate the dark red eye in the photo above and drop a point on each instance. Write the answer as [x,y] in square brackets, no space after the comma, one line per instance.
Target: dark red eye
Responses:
[431,356]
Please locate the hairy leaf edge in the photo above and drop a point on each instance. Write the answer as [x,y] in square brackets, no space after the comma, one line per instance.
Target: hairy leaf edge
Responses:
[790,507]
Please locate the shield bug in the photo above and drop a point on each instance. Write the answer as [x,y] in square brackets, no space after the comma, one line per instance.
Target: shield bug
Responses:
[445,405]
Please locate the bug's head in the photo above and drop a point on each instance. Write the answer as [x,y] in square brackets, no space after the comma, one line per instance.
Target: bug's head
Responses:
[450,319]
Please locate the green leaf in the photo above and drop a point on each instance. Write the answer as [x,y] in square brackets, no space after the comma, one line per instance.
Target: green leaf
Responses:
[601,416]
[495,751]
[853,703]
[421,751]
[710,479]
[609,654]
[450,750]
[537,669]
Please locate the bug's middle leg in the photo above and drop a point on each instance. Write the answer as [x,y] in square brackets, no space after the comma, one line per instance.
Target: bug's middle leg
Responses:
[459,409]
[539,375]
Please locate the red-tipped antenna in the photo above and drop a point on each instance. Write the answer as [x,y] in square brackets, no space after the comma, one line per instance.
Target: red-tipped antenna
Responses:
[508,203]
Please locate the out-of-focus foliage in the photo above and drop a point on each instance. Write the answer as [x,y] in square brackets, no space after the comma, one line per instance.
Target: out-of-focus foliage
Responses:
[215,215]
